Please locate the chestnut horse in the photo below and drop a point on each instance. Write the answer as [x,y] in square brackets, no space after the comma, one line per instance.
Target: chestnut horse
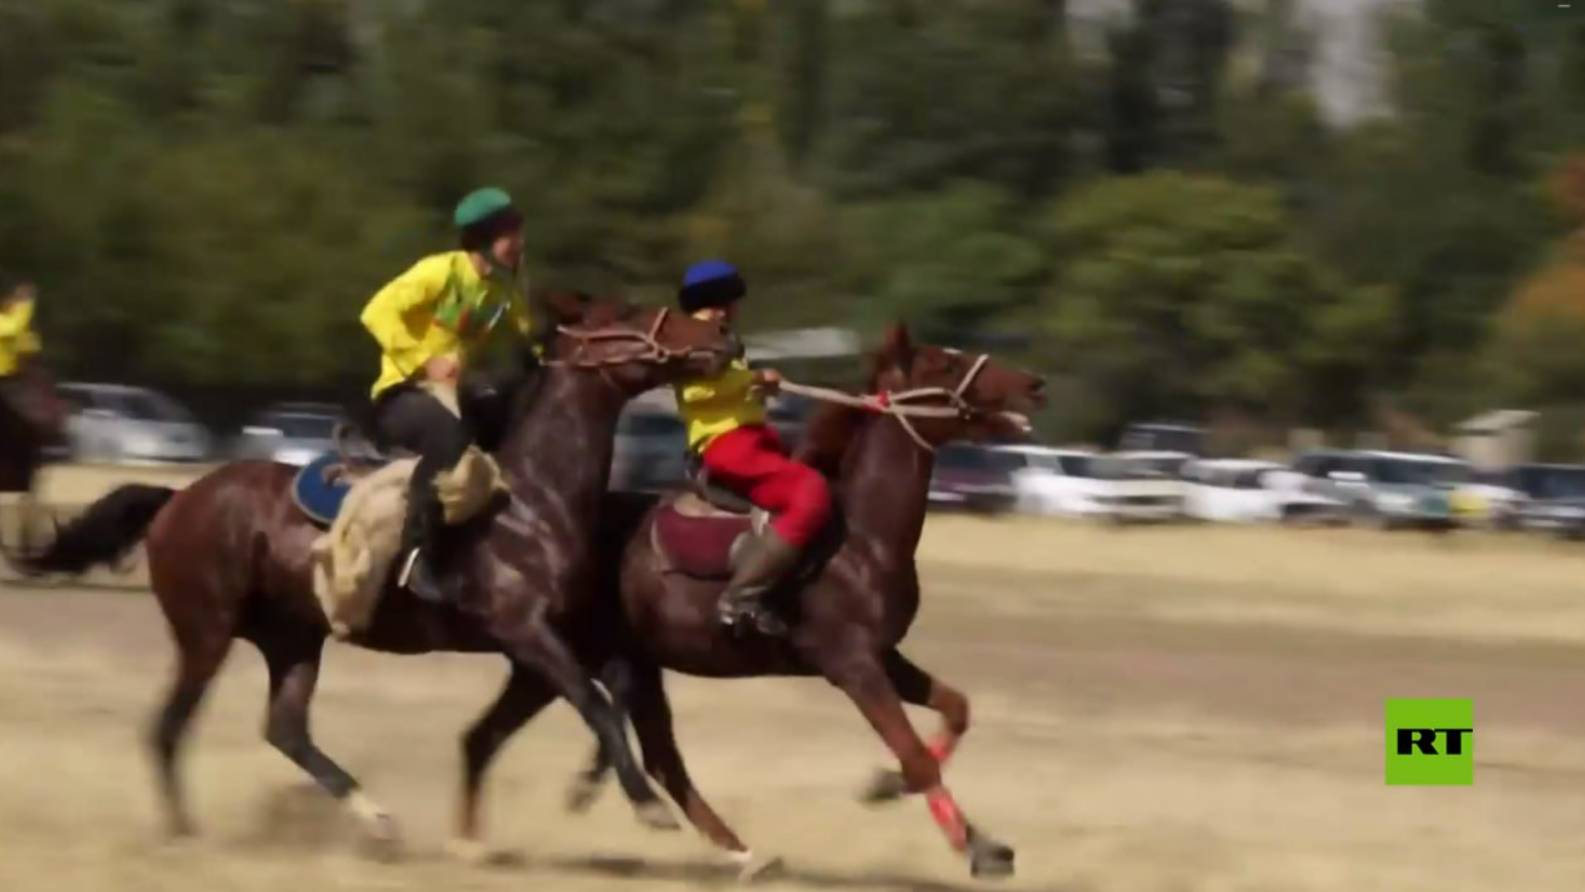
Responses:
[847,621]
[229,557]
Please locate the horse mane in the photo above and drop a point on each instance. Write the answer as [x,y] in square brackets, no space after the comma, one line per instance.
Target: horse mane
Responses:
[829,433]
[834,427]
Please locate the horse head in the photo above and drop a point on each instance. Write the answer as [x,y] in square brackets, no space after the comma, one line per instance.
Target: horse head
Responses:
[636,347]
[957,396]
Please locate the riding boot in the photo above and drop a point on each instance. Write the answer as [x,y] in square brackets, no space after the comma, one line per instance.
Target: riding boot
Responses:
[765,559]
[420,572]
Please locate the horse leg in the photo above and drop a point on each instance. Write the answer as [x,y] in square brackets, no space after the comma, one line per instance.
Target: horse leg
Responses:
[918,687]
[539,646]
[198,659]
[524,695]
[638,691]
[862,677]
[657,738]
[617,678]
[293,660]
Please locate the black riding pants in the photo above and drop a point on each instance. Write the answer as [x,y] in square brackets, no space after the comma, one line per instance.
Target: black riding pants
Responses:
[408,417]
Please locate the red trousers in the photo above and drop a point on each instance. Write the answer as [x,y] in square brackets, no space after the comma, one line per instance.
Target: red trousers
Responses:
[752,462]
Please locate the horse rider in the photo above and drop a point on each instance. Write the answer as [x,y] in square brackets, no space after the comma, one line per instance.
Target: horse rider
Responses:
[18,341]
[728,435]
[433,322]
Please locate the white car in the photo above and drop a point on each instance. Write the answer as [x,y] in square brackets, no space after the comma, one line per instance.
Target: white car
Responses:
[290,433]
[1251,491]
[118,424]
[1078,483]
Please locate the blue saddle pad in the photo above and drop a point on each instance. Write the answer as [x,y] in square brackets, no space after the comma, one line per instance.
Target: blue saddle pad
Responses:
[317,492]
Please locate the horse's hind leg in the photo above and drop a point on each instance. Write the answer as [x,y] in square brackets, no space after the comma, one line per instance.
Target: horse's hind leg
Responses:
[293,660]
[198,659]
[918,687]
[524,695]
[657,738]
[540,647]
[638,690]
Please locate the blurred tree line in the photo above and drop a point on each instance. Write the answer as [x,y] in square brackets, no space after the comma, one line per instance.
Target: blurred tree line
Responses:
[1153,211]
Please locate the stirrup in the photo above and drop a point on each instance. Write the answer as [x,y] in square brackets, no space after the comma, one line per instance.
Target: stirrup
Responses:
[407,568]
[737,615]
[434,591]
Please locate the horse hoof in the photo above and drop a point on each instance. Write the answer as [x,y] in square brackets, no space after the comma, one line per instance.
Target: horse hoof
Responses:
[180,829]
[467,851]
[989,859]
[655,815]
[752,867]
[886,786]
[582,794]
[383,841]
[474,853]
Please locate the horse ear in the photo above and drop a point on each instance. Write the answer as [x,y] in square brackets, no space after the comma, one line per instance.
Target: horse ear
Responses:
[568,307]
[899,344]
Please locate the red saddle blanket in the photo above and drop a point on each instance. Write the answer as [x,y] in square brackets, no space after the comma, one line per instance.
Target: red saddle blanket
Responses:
[697,540]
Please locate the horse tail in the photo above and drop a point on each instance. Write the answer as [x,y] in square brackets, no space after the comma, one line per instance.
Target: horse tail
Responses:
[103,534]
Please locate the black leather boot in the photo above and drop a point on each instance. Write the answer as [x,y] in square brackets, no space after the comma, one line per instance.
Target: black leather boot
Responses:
[765,560]
[419,572]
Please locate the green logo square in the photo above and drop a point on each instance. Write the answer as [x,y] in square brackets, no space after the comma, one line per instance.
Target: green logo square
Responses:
[1431,742]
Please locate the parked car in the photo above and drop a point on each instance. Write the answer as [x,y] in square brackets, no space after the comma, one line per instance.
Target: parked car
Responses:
[1161,463]
[1554,498]
[1078,483]
[650,449]
[1250,491]
[975,478]
[1490,499]
[1388,489]
[290,433]
[115,423]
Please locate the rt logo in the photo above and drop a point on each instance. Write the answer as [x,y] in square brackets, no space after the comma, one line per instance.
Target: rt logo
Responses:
[1430,742]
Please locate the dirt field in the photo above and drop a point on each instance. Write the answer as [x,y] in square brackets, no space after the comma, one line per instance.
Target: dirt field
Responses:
[1176,709]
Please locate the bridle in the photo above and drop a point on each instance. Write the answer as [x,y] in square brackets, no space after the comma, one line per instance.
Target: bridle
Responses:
[903,404]
[648,347]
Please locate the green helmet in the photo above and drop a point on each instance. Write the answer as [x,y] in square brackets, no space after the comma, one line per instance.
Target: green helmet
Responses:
[480,205]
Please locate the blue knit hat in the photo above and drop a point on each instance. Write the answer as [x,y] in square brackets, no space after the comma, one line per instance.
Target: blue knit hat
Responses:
[710,283]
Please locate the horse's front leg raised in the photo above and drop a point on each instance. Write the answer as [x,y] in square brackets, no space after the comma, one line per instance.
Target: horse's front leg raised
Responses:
[861,675]
[919,688]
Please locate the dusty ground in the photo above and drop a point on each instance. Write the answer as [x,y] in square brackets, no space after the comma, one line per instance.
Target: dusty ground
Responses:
[1166,709]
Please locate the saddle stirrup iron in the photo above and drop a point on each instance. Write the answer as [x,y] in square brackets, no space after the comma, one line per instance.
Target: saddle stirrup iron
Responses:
[766,560]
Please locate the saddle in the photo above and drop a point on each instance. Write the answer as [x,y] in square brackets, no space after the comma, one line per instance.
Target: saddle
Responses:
[699,530]
[483,399]
[320,488]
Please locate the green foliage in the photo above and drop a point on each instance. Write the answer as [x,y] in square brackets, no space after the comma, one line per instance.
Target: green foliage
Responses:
[1154,211]
[1178,294]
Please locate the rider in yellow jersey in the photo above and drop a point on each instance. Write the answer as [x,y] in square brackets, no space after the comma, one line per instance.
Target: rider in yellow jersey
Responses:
[17,338]
[432,322]
[727,430]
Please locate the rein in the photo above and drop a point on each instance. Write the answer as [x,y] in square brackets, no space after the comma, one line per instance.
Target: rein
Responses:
[900,404]
[649,348]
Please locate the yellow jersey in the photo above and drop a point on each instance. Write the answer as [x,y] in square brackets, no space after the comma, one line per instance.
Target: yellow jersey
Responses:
[712,406]
[440,307]
[17,339]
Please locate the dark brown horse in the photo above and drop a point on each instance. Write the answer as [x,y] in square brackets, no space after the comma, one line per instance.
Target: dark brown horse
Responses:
[229,557]
[849,618]
[32,418]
